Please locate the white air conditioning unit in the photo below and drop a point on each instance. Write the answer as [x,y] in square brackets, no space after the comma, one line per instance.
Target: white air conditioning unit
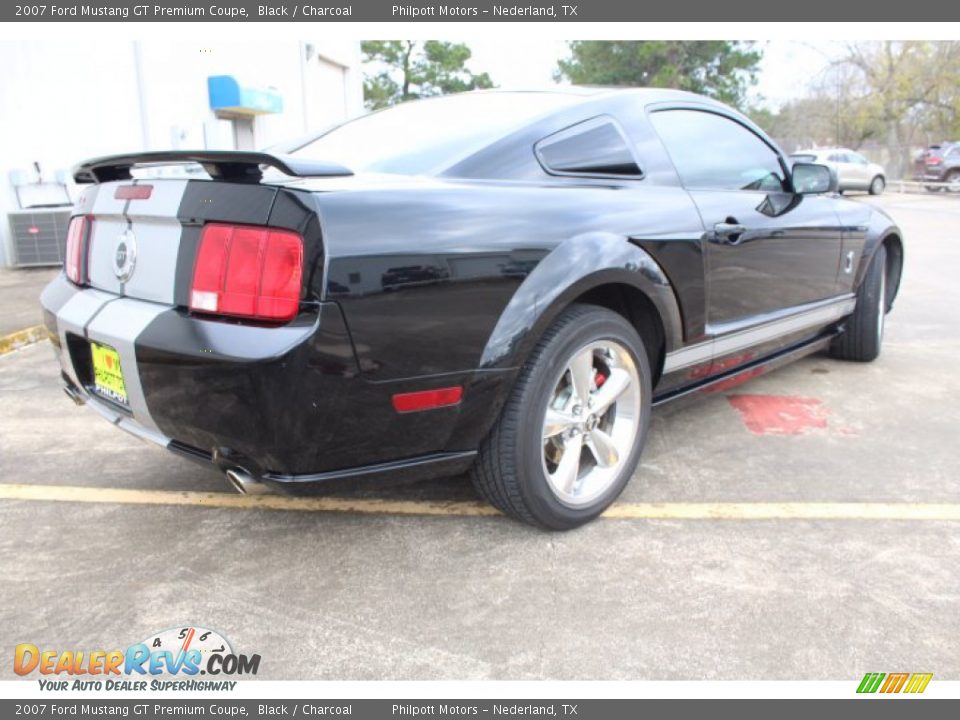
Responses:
[38,230]
[39,236]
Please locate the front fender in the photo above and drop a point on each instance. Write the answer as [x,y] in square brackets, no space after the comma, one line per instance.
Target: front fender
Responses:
[574,267]
[880,228]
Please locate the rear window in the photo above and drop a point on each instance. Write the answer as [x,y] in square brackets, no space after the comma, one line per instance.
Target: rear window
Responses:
[429,135]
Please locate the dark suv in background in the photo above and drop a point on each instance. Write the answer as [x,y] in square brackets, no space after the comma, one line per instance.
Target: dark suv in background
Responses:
[940,164]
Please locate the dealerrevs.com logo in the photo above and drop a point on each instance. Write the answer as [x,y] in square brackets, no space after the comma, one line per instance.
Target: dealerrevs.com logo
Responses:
[168,660]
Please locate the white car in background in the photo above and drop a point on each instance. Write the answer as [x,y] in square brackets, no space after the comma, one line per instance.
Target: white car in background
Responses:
[854,171]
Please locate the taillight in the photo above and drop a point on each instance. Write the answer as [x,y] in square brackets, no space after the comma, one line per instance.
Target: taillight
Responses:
[75,264]
[934,161]
[247,271]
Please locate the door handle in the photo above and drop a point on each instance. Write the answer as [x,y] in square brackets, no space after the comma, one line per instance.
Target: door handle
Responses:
[728,233]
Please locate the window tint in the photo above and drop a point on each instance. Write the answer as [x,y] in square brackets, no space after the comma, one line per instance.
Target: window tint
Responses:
[712,151]
[594,147]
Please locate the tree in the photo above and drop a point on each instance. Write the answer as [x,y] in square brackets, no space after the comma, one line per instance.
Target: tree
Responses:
[832,114]
[888,98]
[407,70]
[909,91]
[718,68]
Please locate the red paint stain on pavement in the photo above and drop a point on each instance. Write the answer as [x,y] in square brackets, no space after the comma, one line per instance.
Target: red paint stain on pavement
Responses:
[779,414]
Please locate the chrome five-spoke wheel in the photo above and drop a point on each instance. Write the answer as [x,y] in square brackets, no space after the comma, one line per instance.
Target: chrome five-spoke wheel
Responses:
[571,433]
[591,422]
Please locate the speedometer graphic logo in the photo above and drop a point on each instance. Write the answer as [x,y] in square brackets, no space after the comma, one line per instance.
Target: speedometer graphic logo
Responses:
[199,644]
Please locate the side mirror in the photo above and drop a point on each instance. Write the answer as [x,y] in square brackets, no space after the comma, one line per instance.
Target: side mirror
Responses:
[811,179]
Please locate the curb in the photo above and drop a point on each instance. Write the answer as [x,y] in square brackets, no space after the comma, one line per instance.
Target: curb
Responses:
[22,338]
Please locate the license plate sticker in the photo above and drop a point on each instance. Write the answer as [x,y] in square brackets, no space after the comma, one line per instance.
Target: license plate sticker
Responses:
[107,374]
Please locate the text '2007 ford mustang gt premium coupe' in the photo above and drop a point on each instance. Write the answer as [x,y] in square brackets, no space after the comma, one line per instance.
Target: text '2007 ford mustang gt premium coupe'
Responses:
[499,282]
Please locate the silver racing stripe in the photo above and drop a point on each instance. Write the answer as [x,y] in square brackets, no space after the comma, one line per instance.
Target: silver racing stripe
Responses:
[157,243]
[118,324]
[164,200]
[76,316]
[104,203]
[805,317]
[116,311]
[156,231]
[73,317]
[124,423]
[157,228]
[107,229]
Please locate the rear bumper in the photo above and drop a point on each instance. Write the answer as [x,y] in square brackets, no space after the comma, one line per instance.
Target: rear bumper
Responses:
[424,467]
[287,404]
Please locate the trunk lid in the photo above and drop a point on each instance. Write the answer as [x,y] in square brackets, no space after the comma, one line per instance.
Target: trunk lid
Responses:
[135,243]
[146,224]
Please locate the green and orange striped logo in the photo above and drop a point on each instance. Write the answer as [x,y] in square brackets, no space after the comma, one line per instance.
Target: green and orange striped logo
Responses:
[894,682]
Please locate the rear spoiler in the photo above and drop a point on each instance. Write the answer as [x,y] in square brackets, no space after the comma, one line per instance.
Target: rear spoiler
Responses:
[238,166]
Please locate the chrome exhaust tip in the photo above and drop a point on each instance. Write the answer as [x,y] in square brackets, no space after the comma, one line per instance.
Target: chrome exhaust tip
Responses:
[74,395]
[244,483]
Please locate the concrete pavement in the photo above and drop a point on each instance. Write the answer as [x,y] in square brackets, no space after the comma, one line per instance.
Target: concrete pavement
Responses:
[20,297]
[331,595]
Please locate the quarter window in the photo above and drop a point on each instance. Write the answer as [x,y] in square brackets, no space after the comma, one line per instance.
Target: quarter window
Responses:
[713,151]
[595,148]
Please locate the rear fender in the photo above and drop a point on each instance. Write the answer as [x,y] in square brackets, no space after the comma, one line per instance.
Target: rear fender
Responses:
[574,267]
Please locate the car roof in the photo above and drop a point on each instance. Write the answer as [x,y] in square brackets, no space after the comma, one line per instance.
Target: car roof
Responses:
[588,93]
[477,145]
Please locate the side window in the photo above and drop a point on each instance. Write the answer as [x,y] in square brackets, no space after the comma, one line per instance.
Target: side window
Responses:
[595,147]
[857,158]
[713,151]
[837,157]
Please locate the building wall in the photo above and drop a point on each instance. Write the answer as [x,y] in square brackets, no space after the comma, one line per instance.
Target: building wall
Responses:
[63,102]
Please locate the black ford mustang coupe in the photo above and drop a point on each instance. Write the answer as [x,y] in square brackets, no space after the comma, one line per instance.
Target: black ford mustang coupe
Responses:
[498,282]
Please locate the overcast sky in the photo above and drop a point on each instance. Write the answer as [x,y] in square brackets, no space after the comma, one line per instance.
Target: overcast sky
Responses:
[786,72]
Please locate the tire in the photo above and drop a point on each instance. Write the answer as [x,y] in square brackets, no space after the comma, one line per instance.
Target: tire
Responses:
[863,335]
[521,469]
[877,185]
[953,181]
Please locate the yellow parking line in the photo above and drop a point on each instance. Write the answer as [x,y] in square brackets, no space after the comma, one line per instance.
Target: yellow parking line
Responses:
[620,511]
[9,343]
[236,501]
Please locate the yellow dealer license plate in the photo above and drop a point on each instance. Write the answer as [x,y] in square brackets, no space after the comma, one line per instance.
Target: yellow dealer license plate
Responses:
[107,375]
